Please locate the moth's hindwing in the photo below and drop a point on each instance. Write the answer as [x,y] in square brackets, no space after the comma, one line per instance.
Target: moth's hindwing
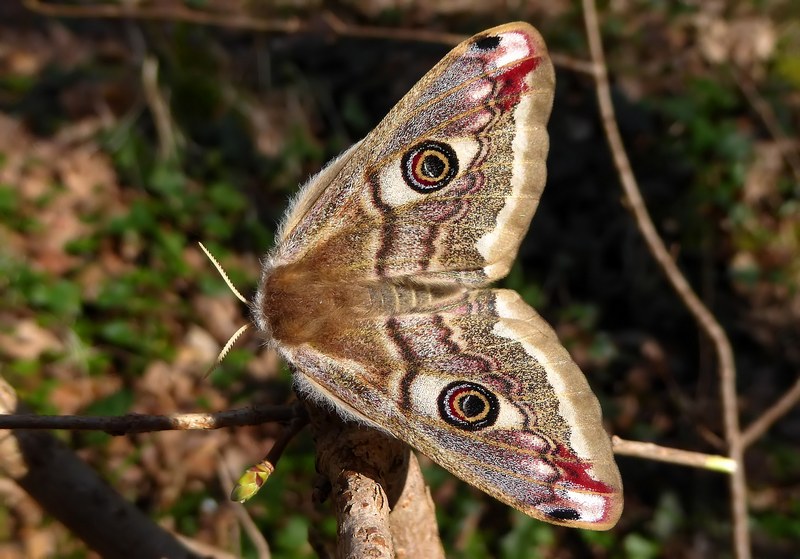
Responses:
[481,385]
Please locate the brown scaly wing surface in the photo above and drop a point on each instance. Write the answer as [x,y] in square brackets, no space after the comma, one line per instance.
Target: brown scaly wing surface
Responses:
[444,188]
[481,385]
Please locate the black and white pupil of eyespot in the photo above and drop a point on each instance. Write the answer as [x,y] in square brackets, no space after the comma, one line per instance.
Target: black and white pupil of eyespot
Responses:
[433,166]
[472,405]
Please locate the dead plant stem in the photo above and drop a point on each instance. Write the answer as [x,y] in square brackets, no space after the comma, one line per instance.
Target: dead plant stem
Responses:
[704,318]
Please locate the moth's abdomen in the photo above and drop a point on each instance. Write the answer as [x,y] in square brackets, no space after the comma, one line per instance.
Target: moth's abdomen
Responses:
[388,299]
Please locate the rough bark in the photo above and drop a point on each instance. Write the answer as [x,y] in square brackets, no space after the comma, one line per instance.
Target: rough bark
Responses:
[383,507]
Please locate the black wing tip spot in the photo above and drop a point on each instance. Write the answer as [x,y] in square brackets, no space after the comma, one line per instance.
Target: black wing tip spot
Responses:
[564,514]
[490,42]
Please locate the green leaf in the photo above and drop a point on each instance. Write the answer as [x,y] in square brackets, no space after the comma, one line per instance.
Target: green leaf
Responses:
[528,538]
[638,547]
[668,517]
[120,333]
[61,297]
[118,403]
[293,537]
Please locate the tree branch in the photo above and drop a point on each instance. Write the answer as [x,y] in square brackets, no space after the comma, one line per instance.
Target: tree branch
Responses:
[704,318]
[382,505]
[777,410]
[253,23]
[73,493]
[652,451]
[140,423]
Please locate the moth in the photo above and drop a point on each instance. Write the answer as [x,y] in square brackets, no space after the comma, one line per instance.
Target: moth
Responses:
[378,294]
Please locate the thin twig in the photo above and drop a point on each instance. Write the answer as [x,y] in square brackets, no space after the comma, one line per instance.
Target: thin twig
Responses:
[398,34]
[570,63]
[297,424]
[252,23]
[140,423]
[652,451]
[203,549]
[157,12]
[702,315]
[773,414]
[251,481]
[160,12]
[159,109]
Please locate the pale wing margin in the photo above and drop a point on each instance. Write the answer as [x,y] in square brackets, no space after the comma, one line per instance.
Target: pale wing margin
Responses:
[577,402]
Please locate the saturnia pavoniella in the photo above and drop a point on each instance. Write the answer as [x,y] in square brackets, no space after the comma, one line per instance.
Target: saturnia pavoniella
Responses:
[378,294]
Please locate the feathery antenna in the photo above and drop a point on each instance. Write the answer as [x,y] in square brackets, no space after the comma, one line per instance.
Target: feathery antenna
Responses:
[224,275]
[238,334]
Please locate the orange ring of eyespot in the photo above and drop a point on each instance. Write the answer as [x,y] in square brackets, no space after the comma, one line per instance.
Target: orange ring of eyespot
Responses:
[418,164]
[421,160]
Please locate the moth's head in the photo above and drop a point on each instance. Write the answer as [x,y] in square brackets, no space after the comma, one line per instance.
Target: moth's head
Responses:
[281,308]
[258,312]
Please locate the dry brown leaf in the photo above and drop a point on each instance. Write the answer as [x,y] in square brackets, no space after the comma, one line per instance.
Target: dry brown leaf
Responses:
[58,227]
[762,177]
[170,471]
[74,395]
[89,177]
[264,365]
[203,453]
[12,550]
[417,10]
[155,389]
[30,341]
[747,42]
[76,180]
[43,543]
[198,350]
[269,123]
[221,315]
